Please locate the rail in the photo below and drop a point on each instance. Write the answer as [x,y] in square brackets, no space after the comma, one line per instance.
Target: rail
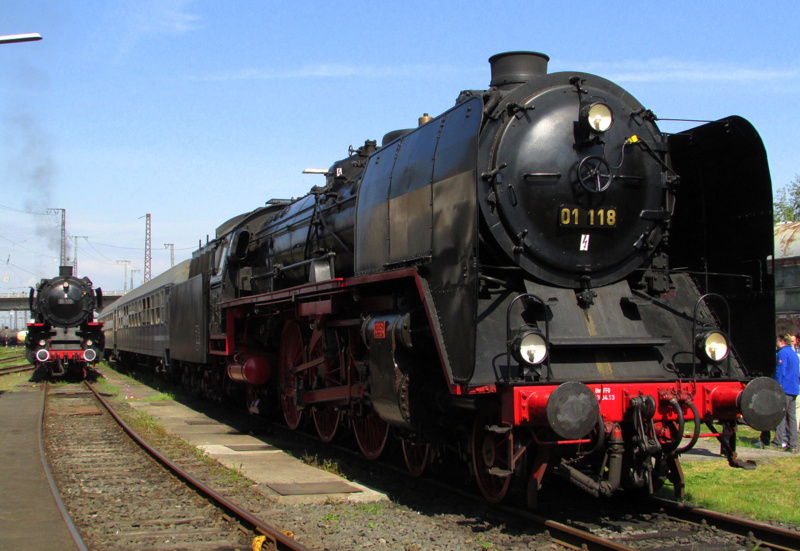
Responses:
[277,539]
[8,370]
[777,539]
[51,481]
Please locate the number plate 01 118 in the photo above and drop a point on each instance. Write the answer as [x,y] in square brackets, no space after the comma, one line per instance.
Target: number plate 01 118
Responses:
[578,217]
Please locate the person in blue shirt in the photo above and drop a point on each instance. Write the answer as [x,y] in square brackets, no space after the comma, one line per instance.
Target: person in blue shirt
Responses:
[787,373]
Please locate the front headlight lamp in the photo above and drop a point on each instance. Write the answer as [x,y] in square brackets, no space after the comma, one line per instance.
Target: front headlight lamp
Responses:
[530,347]
[598,117]
[713,346]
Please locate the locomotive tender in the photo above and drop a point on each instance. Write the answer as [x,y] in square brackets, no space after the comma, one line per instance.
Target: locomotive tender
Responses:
[63,338]
[538,280]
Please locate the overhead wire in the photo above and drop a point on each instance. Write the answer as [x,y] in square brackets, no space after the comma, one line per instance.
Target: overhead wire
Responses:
[26,248]
[12,209]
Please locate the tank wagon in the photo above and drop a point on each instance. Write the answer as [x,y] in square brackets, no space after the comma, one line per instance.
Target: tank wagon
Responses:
[537,281]
[9,337]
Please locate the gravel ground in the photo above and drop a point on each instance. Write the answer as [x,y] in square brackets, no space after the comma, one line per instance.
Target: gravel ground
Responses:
[117,495]
[416,518]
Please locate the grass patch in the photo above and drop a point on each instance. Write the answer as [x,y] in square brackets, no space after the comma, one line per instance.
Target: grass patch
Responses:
[172,446]
[366,513]
[167,391]
[152,380]
[234,476]
[161,397]
[746,437]
[9,383]
[484,544]
[769,492]
[175,448]
[10,355]
[374,509]
[104,387]
[326,465]
[146,425]
[329,518]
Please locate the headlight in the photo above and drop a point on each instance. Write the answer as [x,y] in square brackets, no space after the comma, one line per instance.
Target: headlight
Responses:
[530,347]
[89,342]
[598,116]
[42,342]
[713,346]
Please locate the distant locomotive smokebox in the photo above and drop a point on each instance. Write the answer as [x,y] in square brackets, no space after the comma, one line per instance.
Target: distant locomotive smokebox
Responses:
[65,301]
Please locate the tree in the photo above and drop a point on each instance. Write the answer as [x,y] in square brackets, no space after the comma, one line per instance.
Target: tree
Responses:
[787,202]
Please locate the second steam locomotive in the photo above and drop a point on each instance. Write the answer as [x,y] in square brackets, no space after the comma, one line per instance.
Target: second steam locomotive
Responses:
[64,339]
[537,281]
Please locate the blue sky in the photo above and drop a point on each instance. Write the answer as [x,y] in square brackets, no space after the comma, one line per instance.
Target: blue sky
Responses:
[196,111]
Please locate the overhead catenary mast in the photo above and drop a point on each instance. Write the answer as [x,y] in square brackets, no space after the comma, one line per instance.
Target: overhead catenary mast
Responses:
[148,250]
[75,253]
[63,259]
[125,278]
[171,247]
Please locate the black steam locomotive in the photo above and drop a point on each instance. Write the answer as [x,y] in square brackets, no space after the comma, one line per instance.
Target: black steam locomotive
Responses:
[538,281]
[64,339]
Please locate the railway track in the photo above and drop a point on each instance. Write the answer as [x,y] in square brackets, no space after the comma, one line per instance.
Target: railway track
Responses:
[582,524]
[668,526]
[552,534]
[617,524]
[119,497]
[9,369]
[628,523]
[558,533]
[756,533]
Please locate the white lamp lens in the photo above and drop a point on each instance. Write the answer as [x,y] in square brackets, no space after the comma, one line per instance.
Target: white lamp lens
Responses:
[715,346]
[599,117]
[532,348]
